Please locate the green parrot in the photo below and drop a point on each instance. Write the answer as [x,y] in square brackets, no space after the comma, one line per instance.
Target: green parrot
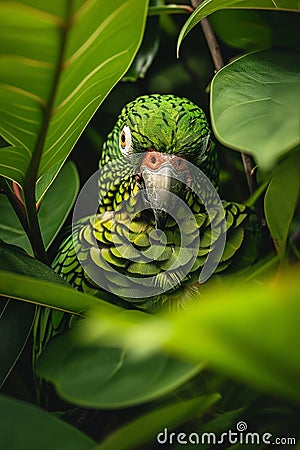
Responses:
[150,235]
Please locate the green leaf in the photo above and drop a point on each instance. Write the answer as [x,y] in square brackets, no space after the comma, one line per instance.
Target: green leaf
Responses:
[11,230]
[58,202]
[255,104]
[53,211]
[154,427]
[25,278]
[245,29]
[16,320]
[281,200]
[105,377]
[45,181]
[249,332]
[47,293]
[26,427]
[59,60]
[210,6]
[256,30]
[220,424]
[14,260]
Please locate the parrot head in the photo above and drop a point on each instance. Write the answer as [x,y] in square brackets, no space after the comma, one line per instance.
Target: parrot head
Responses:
[168,133]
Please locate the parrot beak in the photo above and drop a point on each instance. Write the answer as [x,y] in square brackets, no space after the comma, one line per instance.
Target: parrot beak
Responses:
[163,185]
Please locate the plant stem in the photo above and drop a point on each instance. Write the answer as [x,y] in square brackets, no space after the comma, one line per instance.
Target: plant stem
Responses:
[35,235]
[34,231]
[295,242]
[248,161]
[16,203]
[210,39]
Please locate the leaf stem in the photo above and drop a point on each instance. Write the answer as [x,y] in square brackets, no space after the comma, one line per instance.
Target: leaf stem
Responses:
[16,203]
[295,242]
[169,9]
[35,235]
[248,161]
[210,39]
[218,60]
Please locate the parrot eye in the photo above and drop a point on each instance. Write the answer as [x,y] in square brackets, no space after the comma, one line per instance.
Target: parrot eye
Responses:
[125,141]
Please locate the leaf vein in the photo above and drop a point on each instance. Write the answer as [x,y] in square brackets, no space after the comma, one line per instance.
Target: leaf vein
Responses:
[87,78]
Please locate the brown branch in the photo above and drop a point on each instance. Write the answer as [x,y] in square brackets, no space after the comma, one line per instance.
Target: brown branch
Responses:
[250,169]
[210,39]
[248,161]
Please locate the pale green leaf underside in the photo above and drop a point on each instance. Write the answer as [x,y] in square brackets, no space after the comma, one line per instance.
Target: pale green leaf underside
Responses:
[281,200]
[210,6]
[255,104]
[58,62]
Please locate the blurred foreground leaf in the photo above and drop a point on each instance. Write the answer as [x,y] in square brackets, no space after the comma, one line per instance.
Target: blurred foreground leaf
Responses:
[248,331]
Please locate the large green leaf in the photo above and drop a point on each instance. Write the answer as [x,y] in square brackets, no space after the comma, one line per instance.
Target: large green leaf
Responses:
[47,293]
[211,6]
[250,332]
[46,180]
[281,200]
[54,209]
[25,278]
[26,427]
[14,260]
[255,104]
[155,427]
[16,320]
[106,377]
[245,29]
[253,30]
[59,60]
